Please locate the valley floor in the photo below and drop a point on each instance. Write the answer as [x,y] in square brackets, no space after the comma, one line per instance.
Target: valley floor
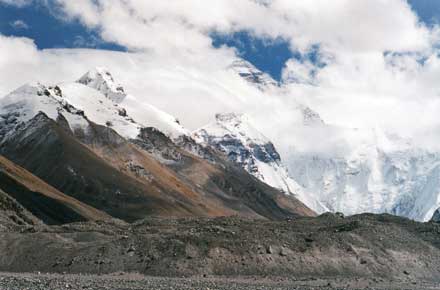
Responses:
[38,281]
[327,252]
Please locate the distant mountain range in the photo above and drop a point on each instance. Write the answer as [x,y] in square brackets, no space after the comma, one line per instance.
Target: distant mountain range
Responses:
[97,152]
[88,151]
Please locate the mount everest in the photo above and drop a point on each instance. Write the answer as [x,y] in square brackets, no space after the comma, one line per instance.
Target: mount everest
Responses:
[359,170]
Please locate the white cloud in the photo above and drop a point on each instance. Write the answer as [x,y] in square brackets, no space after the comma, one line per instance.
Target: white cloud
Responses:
[299,72]
[340,24]
[173,65]
[15,52]
[84,10]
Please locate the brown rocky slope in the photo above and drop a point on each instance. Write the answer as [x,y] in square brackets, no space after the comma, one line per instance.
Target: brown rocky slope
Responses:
[107,172]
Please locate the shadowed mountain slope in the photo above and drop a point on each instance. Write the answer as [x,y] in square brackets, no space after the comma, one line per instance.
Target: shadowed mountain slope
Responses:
[40,199]
[102,169]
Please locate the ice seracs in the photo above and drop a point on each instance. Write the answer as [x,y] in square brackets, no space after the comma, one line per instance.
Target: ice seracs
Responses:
[234,135]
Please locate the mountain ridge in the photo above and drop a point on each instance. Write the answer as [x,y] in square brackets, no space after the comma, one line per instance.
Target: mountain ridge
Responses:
[90,147]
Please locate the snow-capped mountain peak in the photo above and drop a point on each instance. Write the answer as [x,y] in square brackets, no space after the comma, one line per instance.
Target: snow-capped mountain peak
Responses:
[235,136]
[95,97]
[102,80]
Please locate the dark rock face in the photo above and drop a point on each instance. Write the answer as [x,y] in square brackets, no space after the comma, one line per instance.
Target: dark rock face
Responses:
[190,145]
[436,216]
[233,148]
[8,121]
[13,213]
[139,171]
[266,153]
[155,142]
[62,121]
[243,155]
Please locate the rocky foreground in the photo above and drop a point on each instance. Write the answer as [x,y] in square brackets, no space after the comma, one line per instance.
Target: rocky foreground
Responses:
[135,281]
[327,252]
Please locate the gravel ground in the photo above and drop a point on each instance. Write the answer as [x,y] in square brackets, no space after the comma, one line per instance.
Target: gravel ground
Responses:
[36,281]
[327,252]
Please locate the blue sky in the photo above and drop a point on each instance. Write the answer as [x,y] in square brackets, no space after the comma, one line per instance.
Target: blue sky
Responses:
[48,31]
[427,10]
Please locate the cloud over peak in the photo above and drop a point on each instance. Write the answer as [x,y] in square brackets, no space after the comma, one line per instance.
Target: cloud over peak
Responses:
[376,61]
